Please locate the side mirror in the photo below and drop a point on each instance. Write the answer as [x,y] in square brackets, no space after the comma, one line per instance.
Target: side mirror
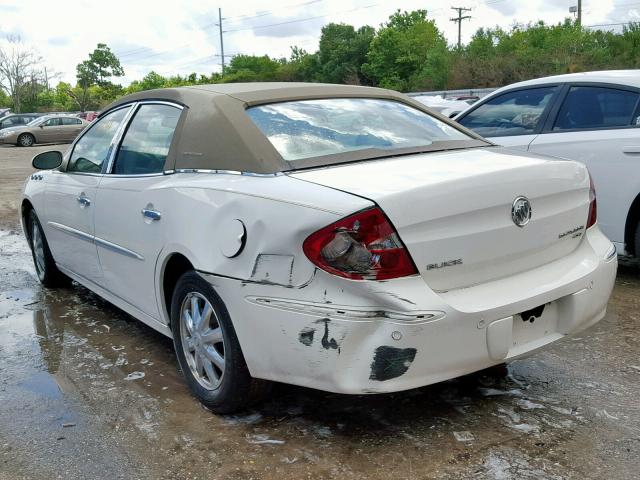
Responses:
[47,160]
[41,125]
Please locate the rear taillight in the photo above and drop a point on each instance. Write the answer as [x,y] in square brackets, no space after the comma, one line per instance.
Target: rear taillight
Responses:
[362,246]
[593,206]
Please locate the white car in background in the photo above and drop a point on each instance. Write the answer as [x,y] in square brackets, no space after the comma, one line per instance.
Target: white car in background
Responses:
[591,117]
[446,106]
[335,237]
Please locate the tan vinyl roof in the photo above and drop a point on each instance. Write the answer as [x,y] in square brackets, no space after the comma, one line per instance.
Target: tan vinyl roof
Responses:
[215,133]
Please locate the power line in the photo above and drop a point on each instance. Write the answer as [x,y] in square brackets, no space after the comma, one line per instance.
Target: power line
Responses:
[459,19]
[266,13]
[257,27]
[610,24]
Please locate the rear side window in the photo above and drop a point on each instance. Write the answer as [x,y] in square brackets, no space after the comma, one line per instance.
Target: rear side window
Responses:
[315,128]
[70,121]
[597,107]
[146,144]
[512,113]
[91,151]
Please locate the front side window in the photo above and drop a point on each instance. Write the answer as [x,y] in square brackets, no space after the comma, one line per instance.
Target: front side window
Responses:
[91,151]
[513,113]
[316,128]
[53,122]
[146,143]
[597,107]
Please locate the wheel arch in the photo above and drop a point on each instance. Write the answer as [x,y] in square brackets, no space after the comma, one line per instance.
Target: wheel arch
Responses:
[174,266]
[25,209]
[633,218]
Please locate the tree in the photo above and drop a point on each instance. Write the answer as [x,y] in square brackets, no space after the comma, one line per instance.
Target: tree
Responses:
[92,76]
[252,68]
[18,66]
[408,53]
[103,64]
[342,52]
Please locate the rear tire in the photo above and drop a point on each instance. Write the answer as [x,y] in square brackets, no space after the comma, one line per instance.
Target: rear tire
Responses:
[45,265]
[208,350]
[26,140]
[636,242]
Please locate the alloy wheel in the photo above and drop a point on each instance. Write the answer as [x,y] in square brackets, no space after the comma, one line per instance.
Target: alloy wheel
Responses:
[38,248]
[202,340]
[26,140]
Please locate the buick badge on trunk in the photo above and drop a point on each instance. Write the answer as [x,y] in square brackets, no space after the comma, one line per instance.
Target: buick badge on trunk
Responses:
[521,211]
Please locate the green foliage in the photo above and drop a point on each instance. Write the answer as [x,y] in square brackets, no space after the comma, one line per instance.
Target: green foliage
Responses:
[104,64]
[408,53]
[251,68]
[342,52]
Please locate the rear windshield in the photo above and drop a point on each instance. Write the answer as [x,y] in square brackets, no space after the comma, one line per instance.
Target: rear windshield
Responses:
[315,128]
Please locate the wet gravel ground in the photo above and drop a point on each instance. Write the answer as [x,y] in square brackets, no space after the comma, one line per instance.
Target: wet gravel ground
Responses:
[88,392]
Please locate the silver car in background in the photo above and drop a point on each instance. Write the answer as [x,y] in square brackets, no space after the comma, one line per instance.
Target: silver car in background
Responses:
[46,129]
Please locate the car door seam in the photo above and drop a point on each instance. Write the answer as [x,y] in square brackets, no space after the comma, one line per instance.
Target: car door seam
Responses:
[96,240]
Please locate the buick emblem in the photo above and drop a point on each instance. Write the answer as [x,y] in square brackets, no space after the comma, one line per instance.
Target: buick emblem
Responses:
[521,211]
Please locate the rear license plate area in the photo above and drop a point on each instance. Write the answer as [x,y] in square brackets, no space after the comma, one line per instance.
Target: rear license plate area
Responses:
[532,325]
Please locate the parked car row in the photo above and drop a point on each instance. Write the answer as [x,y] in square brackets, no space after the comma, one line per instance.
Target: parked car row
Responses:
[44,129]
[591,117]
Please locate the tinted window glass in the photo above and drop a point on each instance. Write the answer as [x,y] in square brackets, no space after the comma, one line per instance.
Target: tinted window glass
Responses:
[145,146]
[596,107]
[53,122]
[314,128]
[70,121]
[513,113]
[95,146]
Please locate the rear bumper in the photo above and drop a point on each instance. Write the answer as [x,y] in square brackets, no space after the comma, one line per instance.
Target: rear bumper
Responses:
[373,337]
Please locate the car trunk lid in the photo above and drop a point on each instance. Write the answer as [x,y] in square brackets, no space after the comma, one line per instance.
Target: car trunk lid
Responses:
[453,210]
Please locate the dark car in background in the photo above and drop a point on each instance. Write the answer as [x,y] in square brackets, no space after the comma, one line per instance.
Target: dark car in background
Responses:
[17,119]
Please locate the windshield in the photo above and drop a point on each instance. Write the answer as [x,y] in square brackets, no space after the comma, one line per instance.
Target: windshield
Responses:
[314,128]
[38,120]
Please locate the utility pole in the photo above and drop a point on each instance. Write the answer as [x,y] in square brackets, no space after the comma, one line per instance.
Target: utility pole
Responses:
[459,19]
[221,41]
[579,13]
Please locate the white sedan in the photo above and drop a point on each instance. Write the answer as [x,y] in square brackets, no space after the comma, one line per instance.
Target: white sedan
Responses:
[341,238]
[591,117]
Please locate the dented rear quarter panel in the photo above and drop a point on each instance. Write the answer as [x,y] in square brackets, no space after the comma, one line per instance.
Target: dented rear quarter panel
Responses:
[278,213]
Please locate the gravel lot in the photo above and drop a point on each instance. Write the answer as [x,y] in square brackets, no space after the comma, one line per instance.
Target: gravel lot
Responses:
[88,392]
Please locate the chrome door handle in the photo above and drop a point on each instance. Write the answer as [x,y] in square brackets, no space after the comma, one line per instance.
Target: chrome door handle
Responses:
[153,215]
[83,200]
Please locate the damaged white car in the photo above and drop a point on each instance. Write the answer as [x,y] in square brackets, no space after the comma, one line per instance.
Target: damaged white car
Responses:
[341,238]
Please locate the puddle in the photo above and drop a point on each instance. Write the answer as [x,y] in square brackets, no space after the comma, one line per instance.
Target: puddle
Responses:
[68,357]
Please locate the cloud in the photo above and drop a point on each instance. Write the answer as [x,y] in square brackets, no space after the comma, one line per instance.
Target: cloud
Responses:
[59,41]
[286,27]
[181,36]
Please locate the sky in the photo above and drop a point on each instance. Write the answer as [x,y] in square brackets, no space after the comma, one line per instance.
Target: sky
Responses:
[178,36]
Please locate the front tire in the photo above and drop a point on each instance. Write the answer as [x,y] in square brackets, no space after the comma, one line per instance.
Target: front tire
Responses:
[26,140]
[208,350]
[45,265]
